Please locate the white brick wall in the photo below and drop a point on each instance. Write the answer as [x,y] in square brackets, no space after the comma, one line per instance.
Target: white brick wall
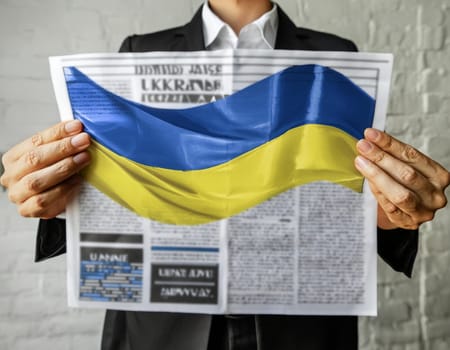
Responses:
[413,314]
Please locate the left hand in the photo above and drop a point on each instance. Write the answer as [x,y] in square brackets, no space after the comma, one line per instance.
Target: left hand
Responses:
[408,185]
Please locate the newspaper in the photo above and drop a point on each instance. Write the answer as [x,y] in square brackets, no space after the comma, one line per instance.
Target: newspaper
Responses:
[309,250]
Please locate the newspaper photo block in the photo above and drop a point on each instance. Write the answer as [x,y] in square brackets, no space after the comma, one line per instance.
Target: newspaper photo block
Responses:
[223,182]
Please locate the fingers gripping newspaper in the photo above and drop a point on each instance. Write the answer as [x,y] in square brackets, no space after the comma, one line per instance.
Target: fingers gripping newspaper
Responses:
[223,182]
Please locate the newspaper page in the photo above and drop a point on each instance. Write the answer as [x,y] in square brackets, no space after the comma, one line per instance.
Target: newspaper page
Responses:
[310,249]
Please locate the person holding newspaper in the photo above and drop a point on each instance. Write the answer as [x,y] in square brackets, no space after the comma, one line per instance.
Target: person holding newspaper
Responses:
[41,175]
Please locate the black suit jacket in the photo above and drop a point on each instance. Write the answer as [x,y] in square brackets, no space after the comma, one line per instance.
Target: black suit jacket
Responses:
[173,331]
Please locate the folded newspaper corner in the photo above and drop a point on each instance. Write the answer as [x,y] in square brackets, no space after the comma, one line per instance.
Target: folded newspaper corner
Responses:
[223,182]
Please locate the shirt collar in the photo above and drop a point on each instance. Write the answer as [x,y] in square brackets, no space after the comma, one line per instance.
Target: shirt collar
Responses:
[214,27]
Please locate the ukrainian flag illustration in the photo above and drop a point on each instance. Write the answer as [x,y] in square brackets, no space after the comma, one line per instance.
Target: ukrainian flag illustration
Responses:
[196,165]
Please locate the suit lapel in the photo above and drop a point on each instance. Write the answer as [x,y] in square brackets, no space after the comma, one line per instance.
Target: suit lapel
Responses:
[289,37]
[190,36]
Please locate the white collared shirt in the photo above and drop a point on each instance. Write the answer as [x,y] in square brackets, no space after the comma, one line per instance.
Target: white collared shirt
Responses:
[260,34]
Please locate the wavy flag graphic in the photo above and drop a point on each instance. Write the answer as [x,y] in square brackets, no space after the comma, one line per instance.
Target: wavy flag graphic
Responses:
[196,165]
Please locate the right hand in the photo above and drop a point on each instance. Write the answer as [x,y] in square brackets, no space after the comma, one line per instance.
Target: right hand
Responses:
[41,172]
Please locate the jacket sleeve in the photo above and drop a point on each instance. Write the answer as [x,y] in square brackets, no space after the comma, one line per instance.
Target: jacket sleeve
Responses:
[51,239]
[398,248]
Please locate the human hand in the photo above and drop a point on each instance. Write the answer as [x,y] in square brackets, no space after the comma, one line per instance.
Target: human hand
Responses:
[41,172]
[408,185]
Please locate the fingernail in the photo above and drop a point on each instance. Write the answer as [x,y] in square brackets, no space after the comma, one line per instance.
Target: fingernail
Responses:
[372,134]
[81,158]
[364,146]
[80,140]
[72,126]
[362,162]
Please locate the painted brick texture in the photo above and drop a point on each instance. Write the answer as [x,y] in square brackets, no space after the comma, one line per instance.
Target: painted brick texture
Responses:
[413,313]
